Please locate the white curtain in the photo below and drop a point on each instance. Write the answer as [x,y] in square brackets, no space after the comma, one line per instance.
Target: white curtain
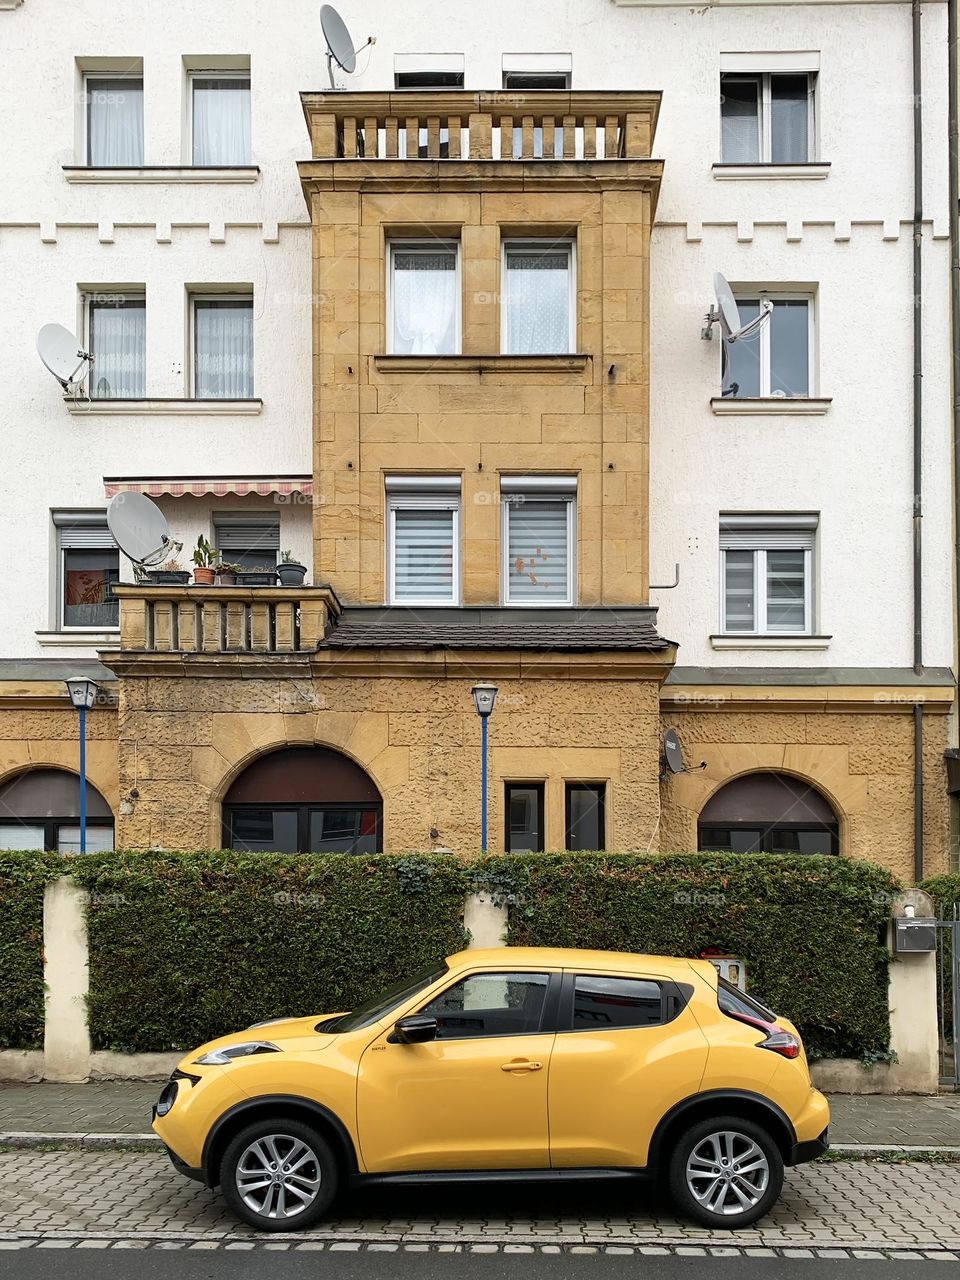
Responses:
[538,549]
[118,337]
[424,287]
[538,302]
[423,554]
[221,121]
[99,839]
[789,129]
[223,359]
[115,122]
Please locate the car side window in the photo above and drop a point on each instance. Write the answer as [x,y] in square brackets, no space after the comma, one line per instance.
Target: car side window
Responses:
[607,1004]
[490,1004]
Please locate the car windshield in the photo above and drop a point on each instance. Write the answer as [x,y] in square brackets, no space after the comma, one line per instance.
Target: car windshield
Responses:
[732,1000]
[373,1010]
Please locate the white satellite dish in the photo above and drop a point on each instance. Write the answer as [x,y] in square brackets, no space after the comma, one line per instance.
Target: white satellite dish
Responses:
[340,48]
[62,354]
[141,531]
[726,313]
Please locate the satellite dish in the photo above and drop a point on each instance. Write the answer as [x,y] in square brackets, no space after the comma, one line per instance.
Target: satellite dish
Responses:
[62,354]
[726,313]
[141,531]
[339,41]
[673,752]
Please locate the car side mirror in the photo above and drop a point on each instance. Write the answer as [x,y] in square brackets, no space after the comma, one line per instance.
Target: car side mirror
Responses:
[418,1028]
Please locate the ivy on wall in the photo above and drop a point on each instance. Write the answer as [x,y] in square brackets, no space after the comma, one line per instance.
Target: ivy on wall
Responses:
[23,876]
[945,891]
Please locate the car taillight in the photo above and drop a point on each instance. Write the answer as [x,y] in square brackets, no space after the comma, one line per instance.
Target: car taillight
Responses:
[774,1037]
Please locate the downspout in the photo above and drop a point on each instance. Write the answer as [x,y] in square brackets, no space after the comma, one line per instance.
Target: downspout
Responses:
[917,436]
[953,160]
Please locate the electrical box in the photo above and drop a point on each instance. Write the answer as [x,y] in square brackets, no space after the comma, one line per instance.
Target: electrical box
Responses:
[914,933]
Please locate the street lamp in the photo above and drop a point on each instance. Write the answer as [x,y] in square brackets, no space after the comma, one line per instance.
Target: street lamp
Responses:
[83,694]
[484,696]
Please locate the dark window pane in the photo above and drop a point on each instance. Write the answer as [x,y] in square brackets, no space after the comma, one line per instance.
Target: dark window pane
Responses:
[795,840]
[739,120]
[264,830]
[608,1003]
[524,806]
[585,818]
[789,119]
[88,577]
[731,839]
[490,1004]
[343,831]
[790,348]
[741,360]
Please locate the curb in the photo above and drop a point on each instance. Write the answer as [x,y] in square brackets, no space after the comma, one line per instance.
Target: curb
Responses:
[867,1149]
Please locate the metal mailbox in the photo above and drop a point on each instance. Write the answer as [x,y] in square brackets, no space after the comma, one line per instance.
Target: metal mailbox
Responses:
[912,934]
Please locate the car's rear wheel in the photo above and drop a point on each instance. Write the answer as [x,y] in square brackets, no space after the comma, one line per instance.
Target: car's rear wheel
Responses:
[726,1172]
[279,1175]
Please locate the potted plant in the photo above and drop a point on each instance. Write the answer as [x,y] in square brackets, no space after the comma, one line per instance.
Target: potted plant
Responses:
[291,572]
[258,576]
[206,559]
[227,573]
[169,575]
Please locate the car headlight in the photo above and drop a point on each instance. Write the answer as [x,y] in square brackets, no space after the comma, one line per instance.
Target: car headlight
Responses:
[220,1057]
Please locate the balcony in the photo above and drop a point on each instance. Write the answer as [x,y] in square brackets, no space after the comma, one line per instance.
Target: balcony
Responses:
[538,127]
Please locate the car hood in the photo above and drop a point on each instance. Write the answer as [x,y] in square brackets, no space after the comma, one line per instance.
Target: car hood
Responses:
[296,1035]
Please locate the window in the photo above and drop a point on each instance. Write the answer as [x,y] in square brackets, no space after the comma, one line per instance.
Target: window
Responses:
[538,539]
[114,118]
[424,298]
[423,540]
[538,313]
[769,813]
[223,347]
[117,337]
[523,806]
[585,815]
[767,574]
[248,539]
[776,360]
[28,802]
[490,1004]
[89,564]
[525,73]
[766,118]
[220,114]
[610,1004]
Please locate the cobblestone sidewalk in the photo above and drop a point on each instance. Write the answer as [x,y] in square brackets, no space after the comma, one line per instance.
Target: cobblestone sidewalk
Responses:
[138,1196]
[124,1107]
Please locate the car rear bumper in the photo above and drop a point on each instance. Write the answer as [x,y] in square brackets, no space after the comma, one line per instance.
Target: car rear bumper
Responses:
[802,1152]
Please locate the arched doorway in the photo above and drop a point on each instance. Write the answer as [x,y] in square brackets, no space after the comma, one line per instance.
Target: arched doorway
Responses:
[303,800]
[40,809]
[769,813]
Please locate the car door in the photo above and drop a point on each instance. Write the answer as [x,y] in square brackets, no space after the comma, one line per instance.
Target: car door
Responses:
[476,1096]
[627,1048]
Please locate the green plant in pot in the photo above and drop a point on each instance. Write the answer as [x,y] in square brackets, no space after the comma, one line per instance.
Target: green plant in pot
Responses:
[206,559]
[291,572]
[227,573]
[258,576]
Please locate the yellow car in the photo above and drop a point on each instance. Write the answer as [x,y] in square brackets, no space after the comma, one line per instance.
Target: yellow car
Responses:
[522,1063]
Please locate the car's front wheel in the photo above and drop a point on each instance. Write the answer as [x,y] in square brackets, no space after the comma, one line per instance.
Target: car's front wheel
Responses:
[279,1175]
[726,1172]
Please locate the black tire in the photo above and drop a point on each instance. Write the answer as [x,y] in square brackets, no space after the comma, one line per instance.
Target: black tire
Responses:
[716,1199]
[312,1162]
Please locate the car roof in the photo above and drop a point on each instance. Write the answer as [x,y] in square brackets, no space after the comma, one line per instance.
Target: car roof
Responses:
[573,957]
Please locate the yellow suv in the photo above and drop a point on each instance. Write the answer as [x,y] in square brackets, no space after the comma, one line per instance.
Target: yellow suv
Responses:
[523,1063]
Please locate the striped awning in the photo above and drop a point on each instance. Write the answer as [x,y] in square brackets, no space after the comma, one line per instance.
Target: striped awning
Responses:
[200,486]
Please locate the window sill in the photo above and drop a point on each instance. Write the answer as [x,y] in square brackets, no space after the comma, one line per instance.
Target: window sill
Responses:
[153,173]
[79,639]
[175,407]
[732,641]
[770,406]
[813,169]
[565,363]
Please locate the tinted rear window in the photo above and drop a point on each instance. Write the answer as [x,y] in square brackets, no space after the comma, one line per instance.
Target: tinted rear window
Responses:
[731,1000]
[607,1003]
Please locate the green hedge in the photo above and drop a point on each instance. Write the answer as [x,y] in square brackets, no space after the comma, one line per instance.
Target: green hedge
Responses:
[945,891]
[188,946]
[811,929]
[23,876]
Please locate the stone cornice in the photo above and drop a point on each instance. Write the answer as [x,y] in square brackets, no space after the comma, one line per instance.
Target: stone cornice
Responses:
[381,176]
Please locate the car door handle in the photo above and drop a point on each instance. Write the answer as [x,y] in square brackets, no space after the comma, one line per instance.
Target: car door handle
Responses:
[520,1065]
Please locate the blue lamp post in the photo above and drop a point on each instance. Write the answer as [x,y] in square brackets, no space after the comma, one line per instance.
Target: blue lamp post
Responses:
[83,694]
[484,696]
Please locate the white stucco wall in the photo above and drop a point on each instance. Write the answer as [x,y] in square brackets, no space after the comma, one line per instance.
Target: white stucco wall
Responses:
[847,235]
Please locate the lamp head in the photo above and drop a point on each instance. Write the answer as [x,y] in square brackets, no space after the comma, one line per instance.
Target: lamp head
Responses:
[484,697]
[83,692]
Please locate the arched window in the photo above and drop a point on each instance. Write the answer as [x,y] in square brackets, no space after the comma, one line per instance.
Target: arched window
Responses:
[303,800]
[769,813]
[40,809]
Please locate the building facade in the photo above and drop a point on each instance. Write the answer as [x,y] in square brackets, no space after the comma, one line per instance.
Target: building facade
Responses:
[437,333]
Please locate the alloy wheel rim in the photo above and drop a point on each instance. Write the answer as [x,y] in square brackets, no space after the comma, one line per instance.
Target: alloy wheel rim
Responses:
[727,1173]
[278,1176]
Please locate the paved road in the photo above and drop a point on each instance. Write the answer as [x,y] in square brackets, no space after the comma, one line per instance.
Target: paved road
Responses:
[848,1205]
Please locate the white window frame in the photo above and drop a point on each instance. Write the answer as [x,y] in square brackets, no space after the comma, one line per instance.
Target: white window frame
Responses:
[513,243]
[765,113]
[88,75]
[241,76]
[423,493]
[90,297]
[745,294]
[190,364]
[422,245]
[807,530]
[534,489]
[64,519]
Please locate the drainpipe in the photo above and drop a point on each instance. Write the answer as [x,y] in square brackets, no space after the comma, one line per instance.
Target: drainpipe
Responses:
[918,435]
[953,160]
